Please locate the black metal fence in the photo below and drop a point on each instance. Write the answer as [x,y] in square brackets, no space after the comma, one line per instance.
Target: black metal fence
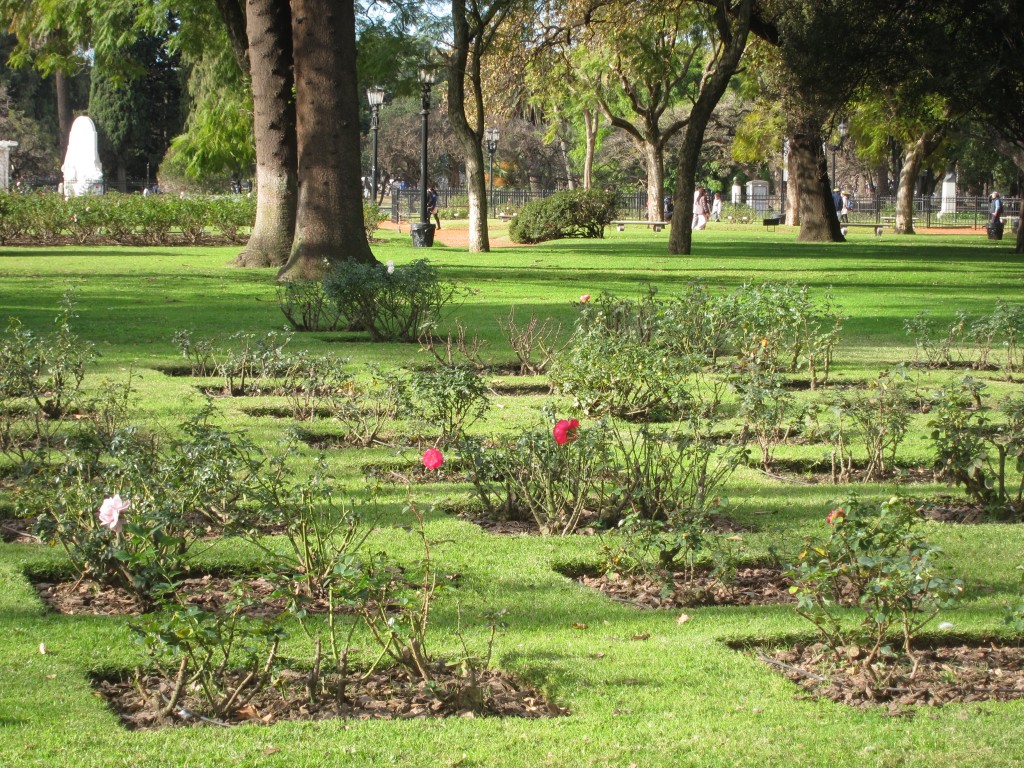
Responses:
[454,202]
[929,211]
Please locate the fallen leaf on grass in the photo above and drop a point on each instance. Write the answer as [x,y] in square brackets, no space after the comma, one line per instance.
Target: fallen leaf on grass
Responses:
[644,636]
[579,625]
[683,618]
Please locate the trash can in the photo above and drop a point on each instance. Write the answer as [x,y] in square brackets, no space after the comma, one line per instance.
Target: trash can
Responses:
[422,235]
[995,230]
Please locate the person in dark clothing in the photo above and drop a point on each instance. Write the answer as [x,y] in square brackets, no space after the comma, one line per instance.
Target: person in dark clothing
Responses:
[432,205]
[837,200]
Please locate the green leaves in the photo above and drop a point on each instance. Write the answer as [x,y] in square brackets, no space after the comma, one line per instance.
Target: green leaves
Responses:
[877,562]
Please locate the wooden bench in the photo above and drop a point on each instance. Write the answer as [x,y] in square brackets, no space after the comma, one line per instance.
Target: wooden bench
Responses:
[657,226]
[772,222]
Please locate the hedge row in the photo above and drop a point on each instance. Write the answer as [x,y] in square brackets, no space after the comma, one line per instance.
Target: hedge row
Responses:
[123,219]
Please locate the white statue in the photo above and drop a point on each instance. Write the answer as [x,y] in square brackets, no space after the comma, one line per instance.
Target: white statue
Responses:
[83,172]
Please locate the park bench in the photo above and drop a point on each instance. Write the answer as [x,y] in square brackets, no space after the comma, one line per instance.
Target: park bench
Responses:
[506,217]
[657,226]
[879,228]
[772,222]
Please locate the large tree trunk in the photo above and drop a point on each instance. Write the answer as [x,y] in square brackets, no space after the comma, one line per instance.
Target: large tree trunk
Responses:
[268,29]
[63,87]
[654,159]
[792,202]
[819,222]
[570,177]
[882,179]
[909,171]
[329,217]
[734,40]
[463,74]
[591,122]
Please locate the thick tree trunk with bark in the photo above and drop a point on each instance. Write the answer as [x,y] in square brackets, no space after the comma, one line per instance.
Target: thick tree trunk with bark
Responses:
[329,217]
[909,171]
[792,202]
[268,30]
[654,159]
[733,41]
[463,75]
[819,222]
[882,179]
[63,87]
[591,122]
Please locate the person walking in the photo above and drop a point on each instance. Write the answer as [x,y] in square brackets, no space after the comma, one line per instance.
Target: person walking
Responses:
[995,219]
[432,205]
[700,209]
[716,207]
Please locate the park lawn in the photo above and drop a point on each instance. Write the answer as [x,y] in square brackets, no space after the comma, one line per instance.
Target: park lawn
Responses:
[641,688]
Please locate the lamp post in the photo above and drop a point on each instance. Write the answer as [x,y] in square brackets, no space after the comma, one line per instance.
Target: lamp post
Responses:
[423,232]
[491,137]
[375,96]
[843,130]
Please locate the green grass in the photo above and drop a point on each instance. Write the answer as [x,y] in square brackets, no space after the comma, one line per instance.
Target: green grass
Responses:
[681,697]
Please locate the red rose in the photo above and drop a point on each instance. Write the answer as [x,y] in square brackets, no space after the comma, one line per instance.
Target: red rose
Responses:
[565,431]
[433,458]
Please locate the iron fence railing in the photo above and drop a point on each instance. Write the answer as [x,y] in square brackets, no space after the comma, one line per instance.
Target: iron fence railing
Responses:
[966,211]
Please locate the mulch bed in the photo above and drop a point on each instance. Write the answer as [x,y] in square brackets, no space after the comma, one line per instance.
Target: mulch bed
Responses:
[960,674]
[520,388]
[385,695]
[85,597]
[415,474]
[14,530]
[752,585]
[818,472]
[946,509]
[590,525]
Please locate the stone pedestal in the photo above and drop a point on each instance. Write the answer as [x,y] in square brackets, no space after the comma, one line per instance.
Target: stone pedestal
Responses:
[5,163]
[948,193]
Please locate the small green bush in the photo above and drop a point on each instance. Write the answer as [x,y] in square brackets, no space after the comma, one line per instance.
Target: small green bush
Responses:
[392,304]
[572,213]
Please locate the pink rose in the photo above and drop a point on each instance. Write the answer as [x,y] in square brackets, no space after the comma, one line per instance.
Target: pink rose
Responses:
[565,431]
[584,298]
[110,512]
[836,516]
[433,458]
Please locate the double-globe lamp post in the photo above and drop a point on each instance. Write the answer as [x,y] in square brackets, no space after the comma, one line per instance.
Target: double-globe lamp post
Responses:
[423,232]
[491,137]
[375,96]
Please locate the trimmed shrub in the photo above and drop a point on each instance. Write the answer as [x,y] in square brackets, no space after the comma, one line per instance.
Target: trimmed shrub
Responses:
[572,213]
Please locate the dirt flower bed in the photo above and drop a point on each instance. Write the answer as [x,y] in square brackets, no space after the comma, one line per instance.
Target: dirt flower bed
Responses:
[17,530]
[819,472]
[590,524]
[947,509]
[945,675]
[208,592]
[752,585]
[413,474]
[388,695]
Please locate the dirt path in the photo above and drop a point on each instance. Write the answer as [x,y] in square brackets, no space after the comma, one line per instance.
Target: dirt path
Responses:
[453,235]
